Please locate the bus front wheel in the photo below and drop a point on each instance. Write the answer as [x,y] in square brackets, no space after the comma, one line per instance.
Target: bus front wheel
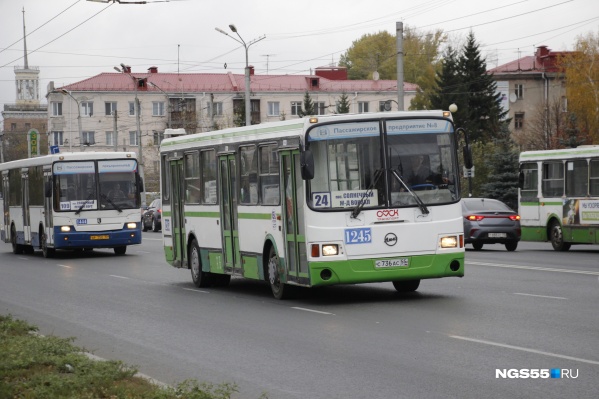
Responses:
[406,286]
[279,289]
[47,252]
[557,237]
[17,249]
[120,250]
[200,278]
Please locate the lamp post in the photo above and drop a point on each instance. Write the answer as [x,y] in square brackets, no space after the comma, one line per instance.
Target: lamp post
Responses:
[63,91]
[248,111]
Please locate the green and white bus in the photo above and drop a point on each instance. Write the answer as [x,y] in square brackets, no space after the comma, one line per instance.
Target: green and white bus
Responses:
[315,201]
[559,196]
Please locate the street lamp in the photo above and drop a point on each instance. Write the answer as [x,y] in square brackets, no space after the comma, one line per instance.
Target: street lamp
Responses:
[63,91]
[248,117]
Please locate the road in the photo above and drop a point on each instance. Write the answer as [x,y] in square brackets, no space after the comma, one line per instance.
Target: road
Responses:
[530,309]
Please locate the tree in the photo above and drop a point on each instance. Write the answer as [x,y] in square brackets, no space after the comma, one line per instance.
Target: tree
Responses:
[343,104]
[448,87]
[502,179]
[581,69]
[308,107]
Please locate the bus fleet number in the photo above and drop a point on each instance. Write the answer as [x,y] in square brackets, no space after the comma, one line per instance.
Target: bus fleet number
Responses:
[358,236]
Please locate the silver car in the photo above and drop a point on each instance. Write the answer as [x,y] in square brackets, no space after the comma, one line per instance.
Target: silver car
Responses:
[489,221]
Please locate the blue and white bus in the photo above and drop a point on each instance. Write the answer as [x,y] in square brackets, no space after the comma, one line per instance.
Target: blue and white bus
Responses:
[71,201]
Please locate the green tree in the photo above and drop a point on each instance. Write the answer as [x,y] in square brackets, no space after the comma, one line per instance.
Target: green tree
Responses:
[448,86]
[343,104]
[501,182]
[308,107]
[239,113]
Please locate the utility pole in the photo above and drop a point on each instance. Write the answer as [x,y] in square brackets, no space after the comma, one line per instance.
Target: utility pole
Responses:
[115,136]
[399,39]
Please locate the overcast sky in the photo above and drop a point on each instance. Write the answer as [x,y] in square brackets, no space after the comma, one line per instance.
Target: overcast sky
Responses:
[71,40]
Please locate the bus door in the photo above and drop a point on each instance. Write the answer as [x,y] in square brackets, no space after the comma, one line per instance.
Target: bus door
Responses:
[228,212]
[48,219]
[25,205]
[177,213]
[293,214]
[6,211]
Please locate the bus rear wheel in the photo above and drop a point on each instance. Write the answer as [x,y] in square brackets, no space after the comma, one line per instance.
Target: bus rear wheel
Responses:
[200,278]
[406,286]
[556,236]
[17,249]
[279,289]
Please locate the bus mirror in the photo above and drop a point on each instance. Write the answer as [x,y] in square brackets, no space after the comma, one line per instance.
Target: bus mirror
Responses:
[521,180]
[48,189]
[307,164]
[467,157]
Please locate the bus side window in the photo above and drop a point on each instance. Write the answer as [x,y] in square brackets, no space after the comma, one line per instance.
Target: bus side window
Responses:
[594,177]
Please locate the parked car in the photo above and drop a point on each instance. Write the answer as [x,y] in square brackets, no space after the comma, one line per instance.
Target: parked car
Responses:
[489,221]
[152,217]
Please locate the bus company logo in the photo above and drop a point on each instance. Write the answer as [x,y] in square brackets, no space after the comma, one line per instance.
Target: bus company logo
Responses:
[387,214]
[390,239]
[99,220]
[536,373]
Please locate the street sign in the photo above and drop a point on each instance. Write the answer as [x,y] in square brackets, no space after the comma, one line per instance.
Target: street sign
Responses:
[469,172]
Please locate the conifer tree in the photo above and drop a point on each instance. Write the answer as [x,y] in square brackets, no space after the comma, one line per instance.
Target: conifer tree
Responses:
[449,86]
[343,104]
[308,107]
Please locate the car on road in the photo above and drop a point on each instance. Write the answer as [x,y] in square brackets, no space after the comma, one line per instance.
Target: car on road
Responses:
[489,221]
[152,217]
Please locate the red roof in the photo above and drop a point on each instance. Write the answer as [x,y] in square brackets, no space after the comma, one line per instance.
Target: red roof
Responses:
[544,60]
[215,82]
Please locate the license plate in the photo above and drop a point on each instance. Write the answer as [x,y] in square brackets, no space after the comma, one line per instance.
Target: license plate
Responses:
[400,262]
[103,237]
[497,235]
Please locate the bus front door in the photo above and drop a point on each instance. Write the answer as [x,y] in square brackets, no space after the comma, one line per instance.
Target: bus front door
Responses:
[6,211]
[177,227]
[48,219]
[295,235]
[228,212]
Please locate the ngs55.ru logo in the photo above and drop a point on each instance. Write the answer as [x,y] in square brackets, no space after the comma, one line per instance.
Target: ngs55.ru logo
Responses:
[536,373]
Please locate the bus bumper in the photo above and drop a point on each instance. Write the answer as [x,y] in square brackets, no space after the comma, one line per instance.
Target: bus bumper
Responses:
[96,239]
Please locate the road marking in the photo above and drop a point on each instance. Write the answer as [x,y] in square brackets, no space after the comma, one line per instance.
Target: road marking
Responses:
[519,348]
[540,296]
[143,252]
[22,258]
[544,269]
[311,310]
[194,290]
[66,266]
[123,277]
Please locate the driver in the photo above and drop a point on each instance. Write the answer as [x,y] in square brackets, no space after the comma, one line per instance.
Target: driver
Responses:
[419,171]
[116,192]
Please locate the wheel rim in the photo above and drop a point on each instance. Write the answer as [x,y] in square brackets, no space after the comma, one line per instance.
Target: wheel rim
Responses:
[195,263]
[557,235]
[273,275]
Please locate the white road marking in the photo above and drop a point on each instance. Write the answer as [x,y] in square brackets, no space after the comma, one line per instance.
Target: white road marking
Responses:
[22,258]
[66,266]
[519,348]
[311,310]
[143,252]
[544,269]
[194,290]
[540,296]
[123,277]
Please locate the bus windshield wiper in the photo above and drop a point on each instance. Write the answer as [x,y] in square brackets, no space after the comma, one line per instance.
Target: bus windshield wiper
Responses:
[111,203]
[421,205]
[85,203]
[377,175]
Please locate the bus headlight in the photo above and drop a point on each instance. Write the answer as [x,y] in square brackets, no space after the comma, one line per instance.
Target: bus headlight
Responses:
[131,225]
[330,249]
[449,242]
[65,229]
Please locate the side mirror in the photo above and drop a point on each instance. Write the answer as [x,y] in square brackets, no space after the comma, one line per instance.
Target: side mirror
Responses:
[521,180]
[307,164]
[48,189]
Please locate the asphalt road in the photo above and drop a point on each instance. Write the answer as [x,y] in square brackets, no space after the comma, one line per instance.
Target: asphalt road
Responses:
[530,309]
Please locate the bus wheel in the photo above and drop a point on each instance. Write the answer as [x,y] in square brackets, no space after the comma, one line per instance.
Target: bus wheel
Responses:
[47,252]
[120,250]
[406,286]
[279,289]
[557,237]
[200,278]
[16,248]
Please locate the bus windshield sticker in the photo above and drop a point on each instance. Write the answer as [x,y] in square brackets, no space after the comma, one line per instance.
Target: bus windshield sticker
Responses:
[117,165]
[351,198]
[71,168]
[68,205]
[321,200]
[362,235]
[418,126]
[344,131]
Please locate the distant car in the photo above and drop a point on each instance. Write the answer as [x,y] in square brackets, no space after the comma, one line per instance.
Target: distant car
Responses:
[489,221]
[152,217]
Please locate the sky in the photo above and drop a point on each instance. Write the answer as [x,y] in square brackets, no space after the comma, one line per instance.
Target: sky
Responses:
[72,40]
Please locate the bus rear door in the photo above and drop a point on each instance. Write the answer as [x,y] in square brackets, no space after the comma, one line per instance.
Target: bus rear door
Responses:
[177,227]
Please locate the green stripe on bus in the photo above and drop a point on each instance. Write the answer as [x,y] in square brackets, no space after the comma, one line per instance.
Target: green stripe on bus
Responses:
[203,214]
[255,216]
[545,203]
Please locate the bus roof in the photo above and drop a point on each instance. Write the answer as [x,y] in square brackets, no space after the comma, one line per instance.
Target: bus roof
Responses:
[65,156]
[582,151]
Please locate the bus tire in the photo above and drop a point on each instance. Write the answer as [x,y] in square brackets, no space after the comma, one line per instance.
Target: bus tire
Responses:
[17,249]
[200,278]
[47,252]
[279,289]
[556,236]
[406,285]
[120,250]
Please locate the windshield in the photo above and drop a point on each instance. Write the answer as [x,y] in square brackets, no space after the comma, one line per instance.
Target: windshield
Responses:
[419,166]
[91,185]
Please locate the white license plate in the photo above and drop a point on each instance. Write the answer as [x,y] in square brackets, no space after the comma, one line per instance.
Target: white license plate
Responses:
[497,235]
[400,262]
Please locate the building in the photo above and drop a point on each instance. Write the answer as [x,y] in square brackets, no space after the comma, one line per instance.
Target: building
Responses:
[126,110]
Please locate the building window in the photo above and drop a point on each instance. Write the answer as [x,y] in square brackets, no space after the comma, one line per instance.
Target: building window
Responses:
[158,137]
[57,138]
[56,108]
[110,107]
[217,108]
[518,91]
[157,108]
[519,120]
[89,138]
[564,104]
[363,107]
[273,108]
[131,108]
[87,108]
[133,138]
[382,106]
[13,127]
[109,138]
[296,108]
[319,108]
